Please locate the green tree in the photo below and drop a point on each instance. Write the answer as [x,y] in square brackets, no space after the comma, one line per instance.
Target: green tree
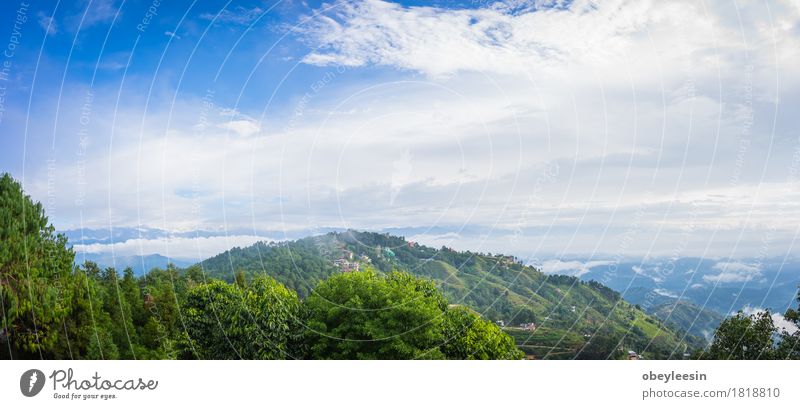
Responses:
[361,315]
[117,305]
[161,302]
[744,337]
[207,317]
[789,345]
[132,294]
[195,275]
[35,275]
[468,336]
[240,279]
[87,328]
[260,321]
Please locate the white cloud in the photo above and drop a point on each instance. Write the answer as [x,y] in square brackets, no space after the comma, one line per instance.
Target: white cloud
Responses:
[572,267]
[243,127]
[95,12]
[47,23]
[437,240]
[100,11]
[189,248]
[444,41]
[509,39]
[239,15]
[736,266]
[665,293]
[734,272]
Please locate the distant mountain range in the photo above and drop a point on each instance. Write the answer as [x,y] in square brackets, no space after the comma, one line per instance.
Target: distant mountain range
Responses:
[723,286]
[139,264]
[693,294]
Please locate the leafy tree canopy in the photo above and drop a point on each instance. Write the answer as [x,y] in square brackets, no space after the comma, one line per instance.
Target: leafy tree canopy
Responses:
[231,321]
[364,315]
[744,337]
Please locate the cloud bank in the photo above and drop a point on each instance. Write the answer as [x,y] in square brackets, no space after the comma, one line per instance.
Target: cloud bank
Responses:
[734,272]
[621,128]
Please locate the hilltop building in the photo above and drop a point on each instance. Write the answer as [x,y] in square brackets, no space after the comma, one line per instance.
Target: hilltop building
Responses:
[346,265]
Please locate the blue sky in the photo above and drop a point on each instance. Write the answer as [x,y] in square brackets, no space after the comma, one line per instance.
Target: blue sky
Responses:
[538,128]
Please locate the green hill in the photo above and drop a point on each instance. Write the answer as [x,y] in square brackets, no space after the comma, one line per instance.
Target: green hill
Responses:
[573,318]
[689,317]
[681,314]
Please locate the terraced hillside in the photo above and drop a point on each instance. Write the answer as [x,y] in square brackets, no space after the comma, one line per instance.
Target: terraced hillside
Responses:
[572,318]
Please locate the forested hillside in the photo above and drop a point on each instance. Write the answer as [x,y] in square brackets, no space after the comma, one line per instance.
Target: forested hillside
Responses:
[572,317]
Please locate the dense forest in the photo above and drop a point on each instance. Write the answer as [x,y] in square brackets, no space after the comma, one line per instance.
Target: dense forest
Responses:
[292,300]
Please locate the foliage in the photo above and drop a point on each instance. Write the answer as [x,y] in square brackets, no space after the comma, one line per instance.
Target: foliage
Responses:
[468,336]
[365,315]
[362,315]
[744,337]
[755,336]
[789,346]
[35,270]
[259,321]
